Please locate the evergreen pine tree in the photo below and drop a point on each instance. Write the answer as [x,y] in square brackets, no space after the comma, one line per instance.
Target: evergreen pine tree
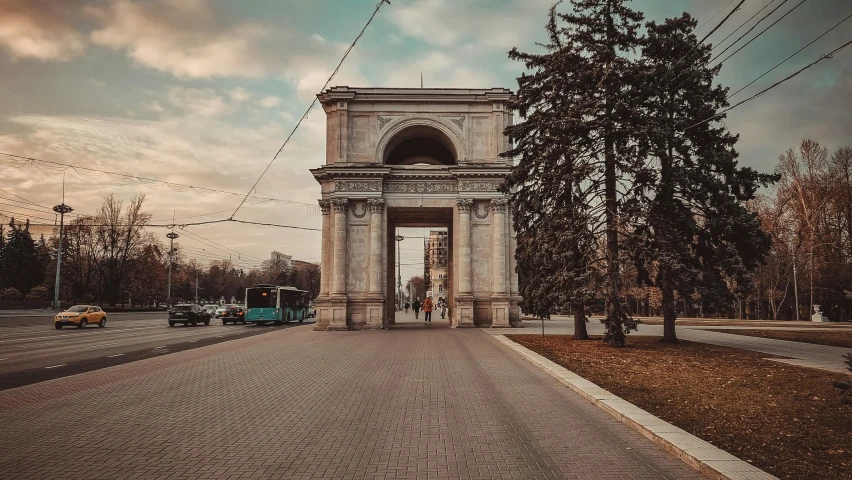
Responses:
[20,258]
[577,145]
[697,231]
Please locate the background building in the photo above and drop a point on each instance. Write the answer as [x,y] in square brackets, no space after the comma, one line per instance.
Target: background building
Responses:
[435,264]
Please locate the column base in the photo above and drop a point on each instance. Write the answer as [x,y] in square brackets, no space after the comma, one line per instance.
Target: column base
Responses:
[500,312]
[515,312]
[338,311]
[462,313]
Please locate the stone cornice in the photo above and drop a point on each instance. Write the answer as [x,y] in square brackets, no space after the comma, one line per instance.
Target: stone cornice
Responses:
[415,95]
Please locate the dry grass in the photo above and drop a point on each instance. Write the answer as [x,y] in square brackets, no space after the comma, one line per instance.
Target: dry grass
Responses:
[785,419]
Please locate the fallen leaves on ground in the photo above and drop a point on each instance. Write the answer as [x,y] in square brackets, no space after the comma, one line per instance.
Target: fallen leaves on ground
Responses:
[783,418]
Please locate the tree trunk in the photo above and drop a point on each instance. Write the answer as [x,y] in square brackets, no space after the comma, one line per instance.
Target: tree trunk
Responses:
[580,332]
[669,312]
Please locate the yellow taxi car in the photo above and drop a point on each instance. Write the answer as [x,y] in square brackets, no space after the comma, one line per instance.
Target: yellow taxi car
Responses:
[80,316]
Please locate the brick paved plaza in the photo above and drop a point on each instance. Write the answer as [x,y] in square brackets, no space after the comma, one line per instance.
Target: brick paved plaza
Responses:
[413,402]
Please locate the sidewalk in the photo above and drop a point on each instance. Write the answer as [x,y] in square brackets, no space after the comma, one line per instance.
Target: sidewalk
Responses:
[412,402]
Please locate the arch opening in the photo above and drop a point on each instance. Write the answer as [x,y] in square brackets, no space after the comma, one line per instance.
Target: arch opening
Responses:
[420,145]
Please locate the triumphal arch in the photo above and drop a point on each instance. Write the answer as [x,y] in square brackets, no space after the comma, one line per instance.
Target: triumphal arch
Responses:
[398,157]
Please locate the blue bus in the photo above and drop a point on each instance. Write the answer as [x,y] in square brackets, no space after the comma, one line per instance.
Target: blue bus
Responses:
[272,303]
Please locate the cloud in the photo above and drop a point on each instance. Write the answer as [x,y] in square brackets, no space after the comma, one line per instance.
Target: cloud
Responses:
[181,37]
[269,101]
[450,23]
[39,29]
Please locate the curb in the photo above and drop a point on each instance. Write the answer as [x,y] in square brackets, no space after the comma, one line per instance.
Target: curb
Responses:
[711,461]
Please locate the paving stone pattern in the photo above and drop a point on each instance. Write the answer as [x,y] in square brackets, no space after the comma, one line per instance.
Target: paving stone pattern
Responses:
[406,403]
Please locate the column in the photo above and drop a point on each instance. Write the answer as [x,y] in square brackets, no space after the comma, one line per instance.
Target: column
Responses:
[500,305]
[325,248]
[498,247]
[377,210]
[339,283]
[464,207]
[513,245]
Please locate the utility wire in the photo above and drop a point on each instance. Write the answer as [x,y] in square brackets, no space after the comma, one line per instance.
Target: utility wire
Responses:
[759,34]
[828,55]
[752,27]
[226,249]
[723,21]
[86,172]
[313,102]
[706,36]
[791,56]
[692,75]
[742,25]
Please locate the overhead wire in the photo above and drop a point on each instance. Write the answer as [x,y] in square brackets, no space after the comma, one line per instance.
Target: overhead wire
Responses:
[313,102]
[148,182]
[791,56]
[722,41]
[760,93]
[706,36]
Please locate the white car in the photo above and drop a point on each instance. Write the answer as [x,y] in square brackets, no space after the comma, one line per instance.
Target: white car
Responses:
[220,310]
[211,309]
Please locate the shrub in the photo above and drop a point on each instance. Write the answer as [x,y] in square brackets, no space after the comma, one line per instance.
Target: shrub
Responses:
[10,293]
[39,292]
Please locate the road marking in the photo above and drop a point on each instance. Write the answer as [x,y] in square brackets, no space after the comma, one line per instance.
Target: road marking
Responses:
[1,359]
[161,346]
[191,341]
[55,366]
[116,355]
[113,330]
[101,345]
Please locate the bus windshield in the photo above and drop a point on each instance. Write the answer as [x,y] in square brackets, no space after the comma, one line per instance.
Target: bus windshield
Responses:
[261,297]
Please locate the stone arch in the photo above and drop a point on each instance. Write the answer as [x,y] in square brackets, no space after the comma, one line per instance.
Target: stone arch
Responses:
[425,135]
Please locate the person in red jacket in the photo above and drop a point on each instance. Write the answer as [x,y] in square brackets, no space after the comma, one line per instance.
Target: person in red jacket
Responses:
[427,309]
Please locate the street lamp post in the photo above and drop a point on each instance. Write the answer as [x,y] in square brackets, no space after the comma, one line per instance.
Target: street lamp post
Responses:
[399,238]
[61,209]
[171,236]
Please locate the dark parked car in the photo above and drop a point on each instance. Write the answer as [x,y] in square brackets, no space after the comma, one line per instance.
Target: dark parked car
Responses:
[187,314]
[234,314]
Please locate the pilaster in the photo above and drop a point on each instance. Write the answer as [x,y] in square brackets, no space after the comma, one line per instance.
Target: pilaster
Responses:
[375,303]
[500,293]
[323,310]
[463,313]
[338,297]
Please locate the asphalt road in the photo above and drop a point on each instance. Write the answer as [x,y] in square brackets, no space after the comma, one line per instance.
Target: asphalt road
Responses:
[32,351]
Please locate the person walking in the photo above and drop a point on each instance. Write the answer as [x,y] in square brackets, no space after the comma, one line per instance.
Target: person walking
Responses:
[407,306]
[427,309]
[443,307]
[416,307]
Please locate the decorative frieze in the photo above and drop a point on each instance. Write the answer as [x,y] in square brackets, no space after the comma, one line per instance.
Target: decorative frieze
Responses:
[377,205]
[459,122]
[420,186]
[498,205]
[358,185]
[464,205]
[340,205]
[325,206]
[479,185]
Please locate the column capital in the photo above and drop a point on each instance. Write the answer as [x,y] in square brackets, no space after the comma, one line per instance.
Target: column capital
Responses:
[340,205]
[377,205]
[498,205]
[325,206]
[464,205]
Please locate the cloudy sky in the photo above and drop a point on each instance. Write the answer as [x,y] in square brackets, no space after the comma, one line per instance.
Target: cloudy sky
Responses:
[203,92]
